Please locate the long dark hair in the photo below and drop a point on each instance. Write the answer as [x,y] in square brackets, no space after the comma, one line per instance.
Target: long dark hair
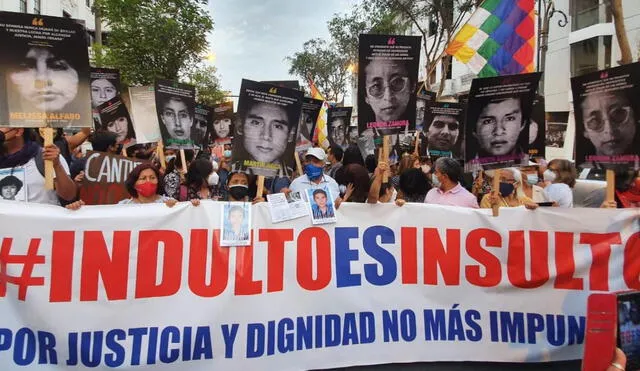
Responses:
[198,173]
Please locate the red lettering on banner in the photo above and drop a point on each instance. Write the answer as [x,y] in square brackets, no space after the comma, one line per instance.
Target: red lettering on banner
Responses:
[409,251]
[199,257]
[97,263]
[600,251]
[632,262]
[304,273]
[566,263]
[245,285]
[475,250]
[539,257]
[275,239]
[148,249]
[61,266]
[438,258]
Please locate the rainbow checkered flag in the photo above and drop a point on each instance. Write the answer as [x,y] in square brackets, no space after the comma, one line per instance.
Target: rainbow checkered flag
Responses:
[498,39]
[321,133]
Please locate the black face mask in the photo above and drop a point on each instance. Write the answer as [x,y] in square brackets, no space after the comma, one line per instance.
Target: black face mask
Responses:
[238,191]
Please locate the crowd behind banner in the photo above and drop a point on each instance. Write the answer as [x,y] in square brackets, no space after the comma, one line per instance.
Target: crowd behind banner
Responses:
[158,144]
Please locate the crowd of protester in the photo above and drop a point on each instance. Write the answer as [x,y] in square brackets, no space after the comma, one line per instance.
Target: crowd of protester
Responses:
[207,175]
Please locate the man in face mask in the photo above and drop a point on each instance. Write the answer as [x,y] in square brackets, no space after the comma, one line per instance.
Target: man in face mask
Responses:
[314,176]
[447,189]
[18,150]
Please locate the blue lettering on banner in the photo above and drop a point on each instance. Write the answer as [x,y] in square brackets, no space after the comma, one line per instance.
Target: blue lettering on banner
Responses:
[452,326]
[329,330]
[344,257]
[515,327]
[403,324]
[382,256]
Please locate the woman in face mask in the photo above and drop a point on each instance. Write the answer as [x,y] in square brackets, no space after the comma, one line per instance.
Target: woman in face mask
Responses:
[529,184]
[238,188]
[144,184]
[561,178]
[201,182]
[507,195]
[627,193]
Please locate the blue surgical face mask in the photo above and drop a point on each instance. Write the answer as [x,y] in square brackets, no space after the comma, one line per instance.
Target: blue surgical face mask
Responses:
[532,179]
[227,153]
[312,171]
[506,189]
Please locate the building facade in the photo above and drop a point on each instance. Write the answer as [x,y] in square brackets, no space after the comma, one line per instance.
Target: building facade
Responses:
[587,43]
[76,9]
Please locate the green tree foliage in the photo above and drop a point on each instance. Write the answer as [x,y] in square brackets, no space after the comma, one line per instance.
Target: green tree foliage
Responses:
[332,64]
[151,39]
[207,84]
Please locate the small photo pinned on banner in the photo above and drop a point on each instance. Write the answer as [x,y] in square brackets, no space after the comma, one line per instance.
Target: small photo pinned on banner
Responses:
[13,186]
[236,224]
[320,203]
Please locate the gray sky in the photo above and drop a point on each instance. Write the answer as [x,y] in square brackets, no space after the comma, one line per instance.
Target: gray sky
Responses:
[252,38]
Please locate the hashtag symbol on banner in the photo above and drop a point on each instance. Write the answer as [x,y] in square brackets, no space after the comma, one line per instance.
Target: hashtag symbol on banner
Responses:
[28,262]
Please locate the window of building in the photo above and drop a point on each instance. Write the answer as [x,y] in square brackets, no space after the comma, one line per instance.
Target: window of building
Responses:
[433,26]
[590,55]
[88,3]
[36,6]
[23,6]
[65,14]
[585,13]
[447,65]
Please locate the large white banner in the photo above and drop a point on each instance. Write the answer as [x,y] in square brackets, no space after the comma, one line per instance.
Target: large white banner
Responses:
[149,288]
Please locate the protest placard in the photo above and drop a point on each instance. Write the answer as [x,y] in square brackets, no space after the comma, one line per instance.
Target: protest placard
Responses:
[13,184]
[175,105]
[223,119]
[266,127]
[35,46]
[310,111]
[607,112]
[443,131]
[387,83]
[143,114]
[104,178]
[114,117]
[338,121]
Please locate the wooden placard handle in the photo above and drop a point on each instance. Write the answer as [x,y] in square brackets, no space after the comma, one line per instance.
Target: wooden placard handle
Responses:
[385,156]
[160,150]
[183,158]
[48,164]
[260,185]
[611,185]
[496,191]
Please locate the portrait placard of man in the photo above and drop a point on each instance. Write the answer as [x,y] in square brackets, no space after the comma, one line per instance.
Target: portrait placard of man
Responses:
[498,118]
[607,117]
[175,104]
[442,133]
[266,129]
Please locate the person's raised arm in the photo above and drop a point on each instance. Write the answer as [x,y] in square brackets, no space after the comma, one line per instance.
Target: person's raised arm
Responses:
[78,138]
[374,191]
[65,186]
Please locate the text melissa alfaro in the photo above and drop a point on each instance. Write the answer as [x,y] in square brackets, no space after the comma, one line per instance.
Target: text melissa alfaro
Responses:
[44,116]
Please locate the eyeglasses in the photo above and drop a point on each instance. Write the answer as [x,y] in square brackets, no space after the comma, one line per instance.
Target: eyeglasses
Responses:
[453,126]
[616,116]
[396,85]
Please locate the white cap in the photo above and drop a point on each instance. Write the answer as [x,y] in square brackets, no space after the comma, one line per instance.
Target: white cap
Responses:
[316,152]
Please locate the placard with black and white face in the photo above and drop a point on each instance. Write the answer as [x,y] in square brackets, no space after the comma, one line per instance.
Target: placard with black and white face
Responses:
[175,104]
[607,111]
[13,184]
[497,124]
[223,118]
[114,117]
[203,126]
[443,132]
[266,128]
[387,83]
[105,85]
[537,126]
[310,111]
[44,72]
[338,120]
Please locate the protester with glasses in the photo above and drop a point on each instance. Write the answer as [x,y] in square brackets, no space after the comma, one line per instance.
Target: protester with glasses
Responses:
[507,195]
[610,123]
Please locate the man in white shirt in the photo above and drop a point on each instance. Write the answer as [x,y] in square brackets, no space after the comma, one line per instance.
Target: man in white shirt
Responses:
[314,176]
[18,150]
